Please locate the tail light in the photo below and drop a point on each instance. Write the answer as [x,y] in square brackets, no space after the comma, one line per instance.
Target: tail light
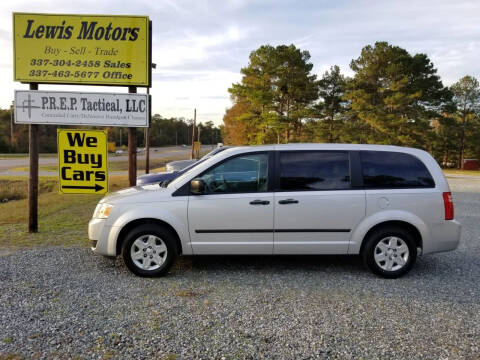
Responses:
[448,204]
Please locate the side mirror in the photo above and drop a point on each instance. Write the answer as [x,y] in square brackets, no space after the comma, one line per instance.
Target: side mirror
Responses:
[197,186]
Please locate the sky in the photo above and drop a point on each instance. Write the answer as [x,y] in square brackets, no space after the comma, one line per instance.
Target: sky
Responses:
[200,46]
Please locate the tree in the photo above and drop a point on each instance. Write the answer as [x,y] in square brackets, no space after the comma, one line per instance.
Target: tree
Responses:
[445,144]
[168,131]
[396,94]
[275,92]
[5,127]
[237,129]
[331,108]
[209,134]
[466,96]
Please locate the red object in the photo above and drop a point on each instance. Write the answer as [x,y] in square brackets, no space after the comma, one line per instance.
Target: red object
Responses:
[448,203]
[470,164]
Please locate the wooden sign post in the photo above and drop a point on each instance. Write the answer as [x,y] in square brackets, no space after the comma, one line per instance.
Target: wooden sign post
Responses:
[132,148]
[33,150]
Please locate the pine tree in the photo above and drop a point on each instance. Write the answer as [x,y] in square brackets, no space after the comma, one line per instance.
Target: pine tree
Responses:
[276,93]
[396,94]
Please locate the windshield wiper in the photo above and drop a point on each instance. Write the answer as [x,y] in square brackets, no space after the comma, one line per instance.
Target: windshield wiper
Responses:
[164,183]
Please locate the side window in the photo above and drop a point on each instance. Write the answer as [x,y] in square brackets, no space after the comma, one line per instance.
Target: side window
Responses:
[387,170]
[314,170]
[241,174]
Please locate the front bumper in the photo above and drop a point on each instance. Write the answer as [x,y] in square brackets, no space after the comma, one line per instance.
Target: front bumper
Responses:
[102,237]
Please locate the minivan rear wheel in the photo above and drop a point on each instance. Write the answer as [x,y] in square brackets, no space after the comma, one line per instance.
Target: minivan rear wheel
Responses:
[390,252]
[149,250]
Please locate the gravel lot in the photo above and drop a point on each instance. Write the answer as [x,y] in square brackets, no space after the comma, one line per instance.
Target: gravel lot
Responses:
[69,303]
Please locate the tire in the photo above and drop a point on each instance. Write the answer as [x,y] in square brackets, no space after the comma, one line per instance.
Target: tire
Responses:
[152,245]
[389,252]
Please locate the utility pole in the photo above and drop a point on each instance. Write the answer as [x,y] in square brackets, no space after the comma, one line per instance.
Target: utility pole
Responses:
[197,153]
[192,153]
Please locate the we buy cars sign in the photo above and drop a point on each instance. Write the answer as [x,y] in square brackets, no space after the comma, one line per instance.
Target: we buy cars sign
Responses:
[82,161]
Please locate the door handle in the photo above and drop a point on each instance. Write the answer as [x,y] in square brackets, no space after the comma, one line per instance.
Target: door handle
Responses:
[259,202]
[288,201]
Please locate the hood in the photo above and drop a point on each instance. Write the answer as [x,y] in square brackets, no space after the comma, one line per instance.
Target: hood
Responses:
[156,177]
[137,194]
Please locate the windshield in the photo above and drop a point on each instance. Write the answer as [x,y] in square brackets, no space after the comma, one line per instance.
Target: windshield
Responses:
[203,158]
[188,169]
[191,165]
[213,152]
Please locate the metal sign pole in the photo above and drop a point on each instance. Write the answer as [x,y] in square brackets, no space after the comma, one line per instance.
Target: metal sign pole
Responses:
[33,175]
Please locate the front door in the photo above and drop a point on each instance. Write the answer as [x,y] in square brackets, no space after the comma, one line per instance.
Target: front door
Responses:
[235,214]
[315,205]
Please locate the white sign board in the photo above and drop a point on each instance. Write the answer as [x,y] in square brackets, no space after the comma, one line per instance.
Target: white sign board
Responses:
[81,108]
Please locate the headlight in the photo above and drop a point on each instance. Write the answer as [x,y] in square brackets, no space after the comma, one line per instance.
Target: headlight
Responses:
[102,211]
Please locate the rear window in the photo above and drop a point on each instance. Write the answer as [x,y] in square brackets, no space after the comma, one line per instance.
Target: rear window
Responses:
[314,170]
[393,170]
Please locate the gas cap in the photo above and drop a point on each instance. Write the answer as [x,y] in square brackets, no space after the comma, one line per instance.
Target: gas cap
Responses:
[383,203]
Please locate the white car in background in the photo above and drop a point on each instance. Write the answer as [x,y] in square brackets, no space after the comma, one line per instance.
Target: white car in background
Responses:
[179,165]
[384,203]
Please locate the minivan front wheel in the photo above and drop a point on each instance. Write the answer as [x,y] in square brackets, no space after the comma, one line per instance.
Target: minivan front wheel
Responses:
[390,252]
[149,250]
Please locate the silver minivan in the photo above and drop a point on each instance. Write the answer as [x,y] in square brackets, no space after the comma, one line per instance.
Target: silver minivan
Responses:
[385,203]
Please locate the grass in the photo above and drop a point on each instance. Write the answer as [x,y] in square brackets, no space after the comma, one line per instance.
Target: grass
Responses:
[12,156]
[40,168]
[123,165]
[461,172]
[62,219]
[159,169]
[15,188]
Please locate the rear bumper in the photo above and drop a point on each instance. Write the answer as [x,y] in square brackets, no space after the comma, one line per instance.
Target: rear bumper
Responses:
[444,237]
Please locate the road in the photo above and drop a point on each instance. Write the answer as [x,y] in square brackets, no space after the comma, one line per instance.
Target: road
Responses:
[6,165]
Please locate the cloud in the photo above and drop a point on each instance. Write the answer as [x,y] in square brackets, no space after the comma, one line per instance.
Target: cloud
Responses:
[191,47]
[200,46]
